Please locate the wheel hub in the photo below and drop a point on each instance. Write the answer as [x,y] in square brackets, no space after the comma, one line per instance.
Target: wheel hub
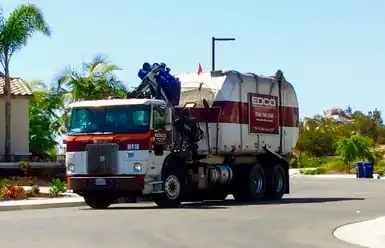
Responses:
[278,178]
[172,187]
[258,182]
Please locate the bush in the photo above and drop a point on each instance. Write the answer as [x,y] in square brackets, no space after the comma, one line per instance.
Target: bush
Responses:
[35,189]
[379,168]
[3,182]
[306,162]
[13,192]
[57,187]
[335,165]
[24,165]
[315,171]
[29,193]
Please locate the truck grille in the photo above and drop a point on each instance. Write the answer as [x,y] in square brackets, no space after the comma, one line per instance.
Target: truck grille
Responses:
[102,159]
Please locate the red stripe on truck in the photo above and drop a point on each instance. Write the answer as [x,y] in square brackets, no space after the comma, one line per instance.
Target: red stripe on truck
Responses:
[238,113]
[77,143]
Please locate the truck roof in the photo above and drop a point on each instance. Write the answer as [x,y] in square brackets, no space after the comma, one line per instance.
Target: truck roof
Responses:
[195,88]
[113,102]
[192,79]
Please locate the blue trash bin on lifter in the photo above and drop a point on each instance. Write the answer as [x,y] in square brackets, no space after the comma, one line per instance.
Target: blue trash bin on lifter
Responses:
[364,170]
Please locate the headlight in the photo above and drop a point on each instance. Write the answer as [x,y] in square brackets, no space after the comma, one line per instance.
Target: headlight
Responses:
[71,167]
[137,167]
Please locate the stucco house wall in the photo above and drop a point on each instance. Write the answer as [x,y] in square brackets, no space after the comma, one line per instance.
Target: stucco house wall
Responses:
[21,95]
[20,125]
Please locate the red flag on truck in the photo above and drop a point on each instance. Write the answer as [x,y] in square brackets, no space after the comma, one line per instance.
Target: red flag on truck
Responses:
[200,70]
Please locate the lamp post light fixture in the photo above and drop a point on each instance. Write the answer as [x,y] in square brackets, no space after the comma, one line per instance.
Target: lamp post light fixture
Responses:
[213,48]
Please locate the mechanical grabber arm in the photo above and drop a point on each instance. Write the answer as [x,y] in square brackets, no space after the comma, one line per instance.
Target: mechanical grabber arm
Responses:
[152,81]
[187,126]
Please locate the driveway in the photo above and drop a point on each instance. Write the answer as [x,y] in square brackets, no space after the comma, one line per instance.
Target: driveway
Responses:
[306,218]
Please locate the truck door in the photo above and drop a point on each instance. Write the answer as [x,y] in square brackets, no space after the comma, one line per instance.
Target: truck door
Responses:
[161,138]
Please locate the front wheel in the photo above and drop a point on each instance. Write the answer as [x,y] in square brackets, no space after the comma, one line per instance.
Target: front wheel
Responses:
[174,186]
[98,201]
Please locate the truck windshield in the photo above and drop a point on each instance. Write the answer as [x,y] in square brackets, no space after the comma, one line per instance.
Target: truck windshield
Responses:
[116,119]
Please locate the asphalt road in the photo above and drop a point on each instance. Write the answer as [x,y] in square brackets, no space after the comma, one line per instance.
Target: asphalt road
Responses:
[306,218]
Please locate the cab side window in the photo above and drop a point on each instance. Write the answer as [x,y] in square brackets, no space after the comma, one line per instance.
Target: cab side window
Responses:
[159,117]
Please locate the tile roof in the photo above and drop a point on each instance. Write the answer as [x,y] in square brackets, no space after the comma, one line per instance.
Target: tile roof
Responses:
[18,87]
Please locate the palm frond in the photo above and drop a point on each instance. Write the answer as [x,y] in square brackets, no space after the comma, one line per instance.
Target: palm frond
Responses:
[37,85]
[22,23]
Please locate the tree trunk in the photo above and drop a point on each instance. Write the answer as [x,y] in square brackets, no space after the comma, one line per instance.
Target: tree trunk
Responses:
[7,96]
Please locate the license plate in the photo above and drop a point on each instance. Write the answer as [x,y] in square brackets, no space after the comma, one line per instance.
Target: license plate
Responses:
[100,182]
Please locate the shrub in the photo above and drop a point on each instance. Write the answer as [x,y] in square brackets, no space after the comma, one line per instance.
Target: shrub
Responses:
[13,192]
[293,162]
[24,166]
[57,187]
[306,162]
[313,171]
[3,183]
[335,165]
[29,193]
[379,168]
[6,182]
[35,189]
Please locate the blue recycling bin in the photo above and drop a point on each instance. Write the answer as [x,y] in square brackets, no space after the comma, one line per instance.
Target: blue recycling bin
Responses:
[171,86]
[364,170]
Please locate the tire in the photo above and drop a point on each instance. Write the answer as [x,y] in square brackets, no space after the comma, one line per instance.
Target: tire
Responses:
[250,183]
[174,187]
[97,201]
[276,183]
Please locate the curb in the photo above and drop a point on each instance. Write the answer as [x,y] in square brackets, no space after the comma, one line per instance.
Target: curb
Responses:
[362,233]
[336,176]
[43,206]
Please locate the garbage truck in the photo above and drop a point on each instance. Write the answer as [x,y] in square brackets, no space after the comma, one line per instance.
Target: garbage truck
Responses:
[216,134]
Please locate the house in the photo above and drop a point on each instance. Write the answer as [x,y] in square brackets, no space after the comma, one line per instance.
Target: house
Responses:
[21,95]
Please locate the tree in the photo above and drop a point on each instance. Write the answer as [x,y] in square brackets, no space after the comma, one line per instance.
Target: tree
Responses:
[94,81]
[317,136]
[353,148]
[15,32]
[44,123]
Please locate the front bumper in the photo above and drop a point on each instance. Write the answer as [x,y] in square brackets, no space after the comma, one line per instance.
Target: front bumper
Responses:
[115,183]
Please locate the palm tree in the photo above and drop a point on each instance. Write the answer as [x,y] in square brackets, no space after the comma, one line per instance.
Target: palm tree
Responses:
[23,22]
[94,81]
[45,121]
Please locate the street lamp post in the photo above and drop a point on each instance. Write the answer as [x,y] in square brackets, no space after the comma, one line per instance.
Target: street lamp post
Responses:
[213,48]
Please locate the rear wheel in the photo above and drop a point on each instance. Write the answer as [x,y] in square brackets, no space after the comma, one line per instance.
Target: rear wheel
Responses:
[249,183]
[174,186]
[98,201]
[276,183]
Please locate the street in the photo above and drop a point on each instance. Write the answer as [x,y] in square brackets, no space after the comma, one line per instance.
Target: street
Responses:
[306,218]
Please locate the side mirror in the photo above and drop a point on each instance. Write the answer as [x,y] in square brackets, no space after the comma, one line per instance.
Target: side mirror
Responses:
[67,119]
[168,126]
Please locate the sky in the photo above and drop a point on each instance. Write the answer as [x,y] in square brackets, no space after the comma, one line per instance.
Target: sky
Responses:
[332,51]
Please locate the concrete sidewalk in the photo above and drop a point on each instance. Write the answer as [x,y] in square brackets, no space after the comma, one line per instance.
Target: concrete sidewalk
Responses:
[296,173]
[45,190]
[369,234]
[69,200]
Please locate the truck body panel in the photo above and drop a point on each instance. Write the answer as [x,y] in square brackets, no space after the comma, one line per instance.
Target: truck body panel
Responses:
[229,126]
